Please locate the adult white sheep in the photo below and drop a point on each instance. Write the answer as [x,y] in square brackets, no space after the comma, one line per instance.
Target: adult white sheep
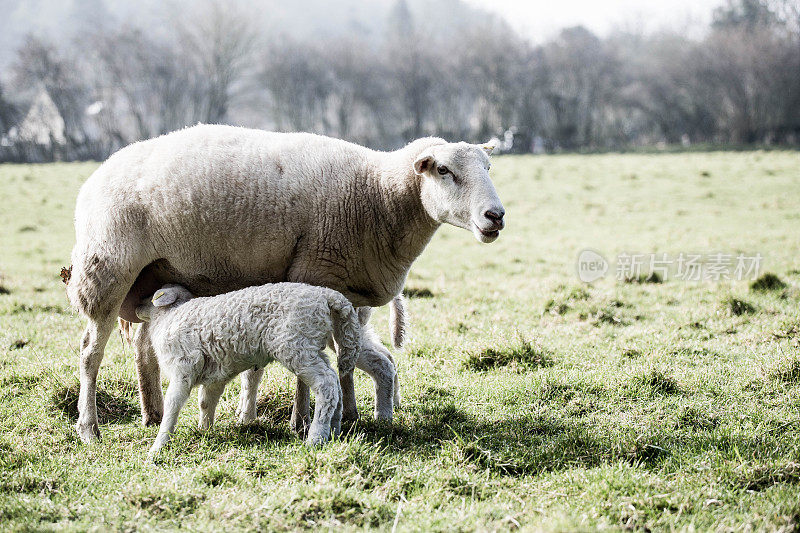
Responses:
[219,208]
[208,341]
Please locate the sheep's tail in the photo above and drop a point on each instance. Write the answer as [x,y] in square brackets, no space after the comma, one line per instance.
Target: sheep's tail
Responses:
[398,320]
[126,330]
[346,332]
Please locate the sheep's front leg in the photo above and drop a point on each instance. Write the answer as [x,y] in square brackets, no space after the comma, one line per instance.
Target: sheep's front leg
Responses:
[300,420]
[177,394]
[246,411]
[93,344]
[208,398]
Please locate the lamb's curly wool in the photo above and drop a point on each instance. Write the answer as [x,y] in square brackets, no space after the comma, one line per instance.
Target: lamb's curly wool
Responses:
[218,208]
[208,341]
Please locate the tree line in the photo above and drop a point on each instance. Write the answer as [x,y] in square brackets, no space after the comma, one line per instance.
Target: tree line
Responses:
[737,85]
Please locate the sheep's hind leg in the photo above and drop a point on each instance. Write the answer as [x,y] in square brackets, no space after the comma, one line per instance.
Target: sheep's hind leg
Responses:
[246,411]
[300,420]
[177,394]
[325,383]
[349,407]
[93,344]
[208,398]
[149,373]
[371,340]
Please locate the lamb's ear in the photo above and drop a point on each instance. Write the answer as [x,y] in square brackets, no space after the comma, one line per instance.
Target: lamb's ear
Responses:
[489,147]
[164,297]
[424,163]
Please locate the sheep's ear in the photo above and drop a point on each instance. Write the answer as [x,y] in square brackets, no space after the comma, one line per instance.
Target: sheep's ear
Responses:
[424,163]
[489,147]
[164,297]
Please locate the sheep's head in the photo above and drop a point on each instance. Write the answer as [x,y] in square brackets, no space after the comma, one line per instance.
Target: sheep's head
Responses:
[167,296]
[456,188]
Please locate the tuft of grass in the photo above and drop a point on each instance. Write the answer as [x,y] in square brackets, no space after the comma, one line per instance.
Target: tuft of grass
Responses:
[656,382]
[414,292]
[762,477]
[767,282]
[166,504]
[216,476]
[521,356]
[736,306]
[652,277]
[788,372]
[693,418]
[566,299]
[631,353]
[17,344]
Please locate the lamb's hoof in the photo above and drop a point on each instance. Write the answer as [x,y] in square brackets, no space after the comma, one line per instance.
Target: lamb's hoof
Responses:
[88,432]
[397,402]
[316,441]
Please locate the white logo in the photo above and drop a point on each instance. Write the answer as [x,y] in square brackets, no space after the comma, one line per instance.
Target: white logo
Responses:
[591,266]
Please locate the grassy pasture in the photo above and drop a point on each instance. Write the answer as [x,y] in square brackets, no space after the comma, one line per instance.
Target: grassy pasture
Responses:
[531,400]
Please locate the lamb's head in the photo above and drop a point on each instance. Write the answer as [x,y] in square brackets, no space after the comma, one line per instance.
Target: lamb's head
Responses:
[456,188]
[168,296]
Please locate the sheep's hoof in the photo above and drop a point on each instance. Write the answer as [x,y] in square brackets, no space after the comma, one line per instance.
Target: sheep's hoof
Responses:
[88,432]
[246,418]
[151,419]
[349,418]
[386,417]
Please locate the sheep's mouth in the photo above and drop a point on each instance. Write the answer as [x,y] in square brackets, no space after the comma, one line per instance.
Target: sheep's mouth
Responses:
[485,236]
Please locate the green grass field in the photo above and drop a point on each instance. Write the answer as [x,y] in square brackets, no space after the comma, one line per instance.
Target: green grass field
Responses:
[531,400]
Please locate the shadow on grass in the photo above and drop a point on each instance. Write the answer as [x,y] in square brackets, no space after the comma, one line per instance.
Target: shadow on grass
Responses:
[116,401]
[517,446]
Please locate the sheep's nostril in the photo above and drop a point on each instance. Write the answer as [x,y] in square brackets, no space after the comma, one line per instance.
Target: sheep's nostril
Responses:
[496,216]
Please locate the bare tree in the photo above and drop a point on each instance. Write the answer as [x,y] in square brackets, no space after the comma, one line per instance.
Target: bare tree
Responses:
[220,40]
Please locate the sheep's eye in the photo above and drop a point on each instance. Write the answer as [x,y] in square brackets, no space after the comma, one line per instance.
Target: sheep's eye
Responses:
[442,170]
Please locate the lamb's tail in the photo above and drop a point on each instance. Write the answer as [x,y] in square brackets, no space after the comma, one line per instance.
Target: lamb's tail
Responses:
[346,332]
[398,320]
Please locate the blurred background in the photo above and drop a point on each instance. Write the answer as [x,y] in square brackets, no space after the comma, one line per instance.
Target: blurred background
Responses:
[80,79]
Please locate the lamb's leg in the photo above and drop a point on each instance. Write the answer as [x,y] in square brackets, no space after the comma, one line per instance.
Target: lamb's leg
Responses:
[93,344]
[246,411]
[150,396]
[325,383]
[208,398]
[177,394]
[382,370]
[300,420]
[371,341]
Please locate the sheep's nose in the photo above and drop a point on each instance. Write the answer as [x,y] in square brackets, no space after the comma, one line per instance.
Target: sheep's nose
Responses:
[496,216]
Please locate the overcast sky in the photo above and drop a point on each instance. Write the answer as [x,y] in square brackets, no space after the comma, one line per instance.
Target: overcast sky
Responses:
[539,20]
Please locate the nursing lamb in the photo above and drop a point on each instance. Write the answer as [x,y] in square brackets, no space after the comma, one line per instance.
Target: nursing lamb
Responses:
[208,341]
[219,208]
